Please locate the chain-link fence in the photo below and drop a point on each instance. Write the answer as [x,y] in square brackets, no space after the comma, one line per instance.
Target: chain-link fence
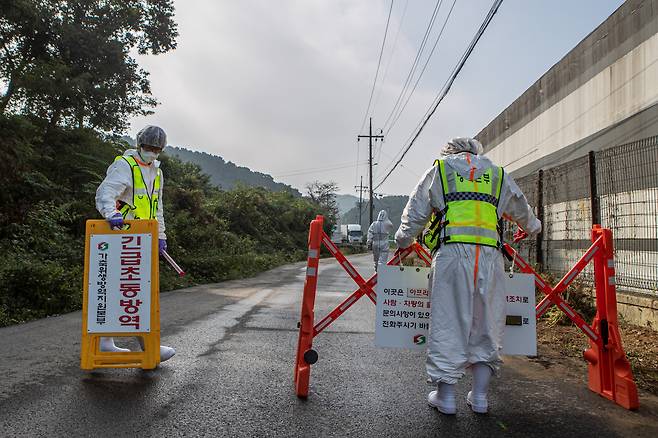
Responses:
[624,183]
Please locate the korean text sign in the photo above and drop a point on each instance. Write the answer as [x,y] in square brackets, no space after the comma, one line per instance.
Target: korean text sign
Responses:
[521,323]
[119,283]
[404,310]
[403,307]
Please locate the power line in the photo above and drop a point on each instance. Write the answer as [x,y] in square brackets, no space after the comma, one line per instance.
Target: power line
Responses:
[317,170]
[344,163]
[438,38]
[429,57]
[429,109]
[374,83]
[411,171]
[412,70]
[447,85]
[390,58]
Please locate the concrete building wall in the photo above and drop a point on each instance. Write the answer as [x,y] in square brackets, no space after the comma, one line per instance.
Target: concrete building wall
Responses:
[623,89]
[603,93]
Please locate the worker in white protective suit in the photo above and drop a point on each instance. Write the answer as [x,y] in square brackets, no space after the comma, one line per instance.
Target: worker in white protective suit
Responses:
[378,237]
[469,195]
[132,189]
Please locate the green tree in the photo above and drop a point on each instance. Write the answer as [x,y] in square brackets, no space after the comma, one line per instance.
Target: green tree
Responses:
[215,235]
[323,194]
[69,62]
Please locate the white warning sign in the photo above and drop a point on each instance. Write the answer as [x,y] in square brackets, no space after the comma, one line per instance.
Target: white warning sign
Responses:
[521,323]
[404,310]
[403,307]
[119,283]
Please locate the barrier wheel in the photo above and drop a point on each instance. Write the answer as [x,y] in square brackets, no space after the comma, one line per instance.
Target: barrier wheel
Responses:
[310,356]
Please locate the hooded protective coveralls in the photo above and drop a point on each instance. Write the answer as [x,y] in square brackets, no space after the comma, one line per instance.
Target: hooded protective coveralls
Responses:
[468,299]
[378,236]
[118,189]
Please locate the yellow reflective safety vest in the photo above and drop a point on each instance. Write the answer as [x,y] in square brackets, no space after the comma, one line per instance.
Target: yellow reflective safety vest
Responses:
[145,203]
[470,214]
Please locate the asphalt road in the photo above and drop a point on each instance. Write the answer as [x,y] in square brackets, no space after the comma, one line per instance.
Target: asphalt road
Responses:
[232,376]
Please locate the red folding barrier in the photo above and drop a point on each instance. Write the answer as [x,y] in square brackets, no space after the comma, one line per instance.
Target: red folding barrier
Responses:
[306,356]
[610,372]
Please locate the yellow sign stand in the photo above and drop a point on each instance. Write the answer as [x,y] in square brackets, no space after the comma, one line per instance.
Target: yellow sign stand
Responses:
[123,266]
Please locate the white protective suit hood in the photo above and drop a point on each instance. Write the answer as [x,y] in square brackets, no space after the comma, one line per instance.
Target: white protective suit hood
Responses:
[457,149]
[383,226]
[462,144]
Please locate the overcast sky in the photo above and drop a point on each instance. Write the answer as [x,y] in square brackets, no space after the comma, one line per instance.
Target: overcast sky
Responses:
[282,86]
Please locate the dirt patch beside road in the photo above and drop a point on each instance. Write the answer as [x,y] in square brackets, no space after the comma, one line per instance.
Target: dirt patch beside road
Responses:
[565,343]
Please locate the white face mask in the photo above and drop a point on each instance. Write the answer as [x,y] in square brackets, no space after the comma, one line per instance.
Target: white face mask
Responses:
[148,157]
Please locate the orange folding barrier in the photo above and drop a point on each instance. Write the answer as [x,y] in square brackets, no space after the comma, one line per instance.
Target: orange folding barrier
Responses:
[308,329]
[609,371]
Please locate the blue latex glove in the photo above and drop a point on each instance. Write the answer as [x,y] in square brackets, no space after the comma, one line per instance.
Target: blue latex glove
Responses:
[116,221]
[162,245]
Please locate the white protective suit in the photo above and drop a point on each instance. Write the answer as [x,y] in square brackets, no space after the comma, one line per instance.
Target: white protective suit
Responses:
[468,299]
[118,185]
[378,236]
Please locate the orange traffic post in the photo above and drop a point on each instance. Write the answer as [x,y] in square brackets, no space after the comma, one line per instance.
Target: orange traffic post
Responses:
[610,372]
[121,294]
[306,356]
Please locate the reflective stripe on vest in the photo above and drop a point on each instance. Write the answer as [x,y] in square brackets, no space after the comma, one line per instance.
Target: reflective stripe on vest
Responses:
[471,206]
[145,203]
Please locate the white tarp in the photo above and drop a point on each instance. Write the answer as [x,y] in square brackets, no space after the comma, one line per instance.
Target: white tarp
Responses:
[119,283]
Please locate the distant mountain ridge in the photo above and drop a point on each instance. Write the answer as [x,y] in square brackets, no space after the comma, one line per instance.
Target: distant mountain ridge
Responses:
[345,203]
[226,174]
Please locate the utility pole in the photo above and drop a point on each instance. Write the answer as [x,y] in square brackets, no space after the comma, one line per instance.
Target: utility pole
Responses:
[370,137]
[360,188]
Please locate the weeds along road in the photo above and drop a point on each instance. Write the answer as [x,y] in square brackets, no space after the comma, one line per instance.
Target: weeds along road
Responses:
[232,376]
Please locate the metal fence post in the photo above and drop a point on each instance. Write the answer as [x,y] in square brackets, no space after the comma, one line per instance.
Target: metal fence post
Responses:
[539,255]
[593,193]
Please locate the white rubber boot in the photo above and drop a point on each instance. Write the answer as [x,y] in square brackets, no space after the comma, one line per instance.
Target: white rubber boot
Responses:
[107,345]
[477,396]
[166,353]
[443,399]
